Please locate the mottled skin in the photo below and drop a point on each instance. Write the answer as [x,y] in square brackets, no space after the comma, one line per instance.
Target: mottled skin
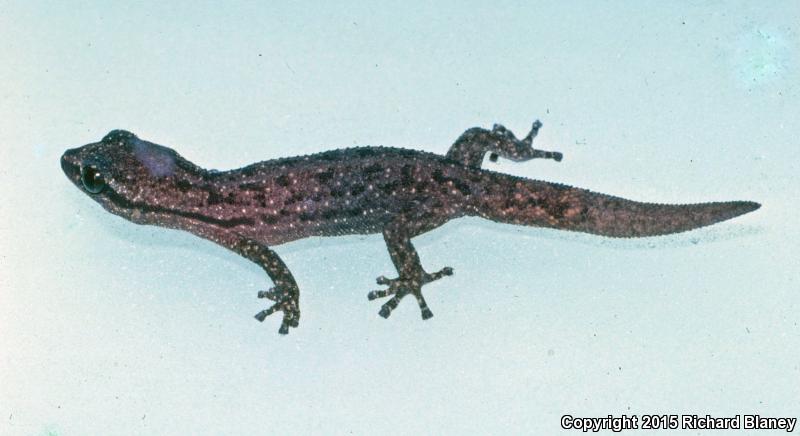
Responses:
[399,193]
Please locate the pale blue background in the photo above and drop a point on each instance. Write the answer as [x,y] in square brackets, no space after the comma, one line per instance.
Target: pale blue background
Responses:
[111,328]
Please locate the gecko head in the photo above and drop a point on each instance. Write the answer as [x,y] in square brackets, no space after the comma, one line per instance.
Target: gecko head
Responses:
[122,171]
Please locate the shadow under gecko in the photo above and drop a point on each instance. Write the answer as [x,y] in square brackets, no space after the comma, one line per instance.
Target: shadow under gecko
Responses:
[397,192]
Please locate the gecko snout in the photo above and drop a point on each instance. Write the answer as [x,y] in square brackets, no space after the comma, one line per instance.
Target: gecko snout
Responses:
[70,165]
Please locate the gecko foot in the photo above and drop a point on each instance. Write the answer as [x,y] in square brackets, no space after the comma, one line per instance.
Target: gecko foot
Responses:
[286,302]
[400,287]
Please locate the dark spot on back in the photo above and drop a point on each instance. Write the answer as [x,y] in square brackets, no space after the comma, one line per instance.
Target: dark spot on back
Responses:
[282,180]
[260,198]
[325,176]
[462,186]
[183,185]
[357,189]
[406,175]
[390,187]
[408,206]
[372,172]
[294,198]
[269,219]
[214,198]
[337,192]
[438,177]
[556,209]
[251,187]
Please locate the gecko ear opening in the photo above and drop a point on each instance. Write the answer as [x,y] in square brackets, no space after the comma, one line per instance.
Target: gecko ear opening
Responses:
[92,179]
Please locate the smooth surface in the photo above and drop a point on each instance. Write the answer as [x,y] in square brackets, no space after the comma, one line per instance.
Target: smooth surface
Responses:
[111,328]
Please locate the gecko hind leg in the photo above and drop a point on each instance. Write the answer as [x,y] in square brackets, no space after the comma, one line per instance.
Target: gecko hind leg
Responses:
[412,276]
[471,147]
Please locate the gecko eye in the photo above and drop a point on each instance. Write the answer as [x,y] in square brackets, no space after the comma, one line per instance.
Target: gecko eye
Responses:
[92,179]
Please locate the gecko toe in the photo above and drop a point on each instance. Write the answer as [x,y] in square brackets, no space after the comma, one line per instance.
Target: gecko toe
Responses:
[426,313]
[423,306]
[373,295]
[290,319]
[284,329]
[446,271]
[272,294]
[261,316]
[390,305]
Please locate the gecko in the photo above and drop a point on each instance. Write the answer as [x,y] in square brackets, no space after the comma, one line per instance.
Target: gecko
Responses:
[399,193]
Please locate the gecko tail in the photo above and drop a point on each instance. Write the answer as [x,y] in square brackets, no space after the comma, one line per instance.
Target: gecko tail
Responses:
[622,218]
[544,204]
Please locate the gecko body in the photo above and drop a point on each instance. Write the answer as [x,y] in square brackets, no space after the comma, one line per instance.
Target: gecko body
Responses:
[399,193]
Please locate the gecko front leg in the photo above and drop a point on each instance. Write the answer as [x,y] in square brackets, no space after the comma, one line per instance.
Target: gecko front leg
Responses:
[412,276]
[285,293]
